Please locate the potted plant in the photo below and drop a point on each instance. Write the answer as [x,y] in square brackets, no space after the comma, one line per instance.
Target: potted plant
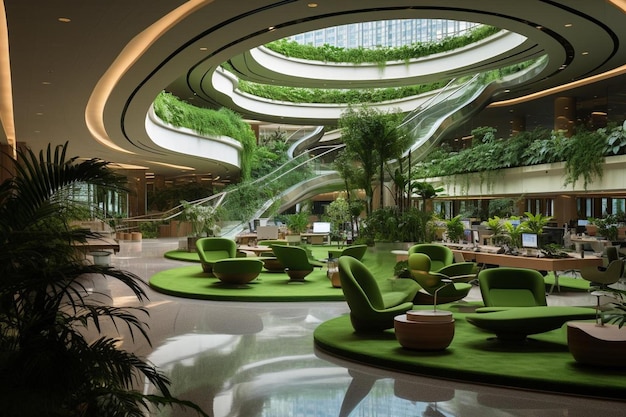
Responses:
[203,220]
[535,223]
[498,230]
[53,358]
[607,227]
[297,223]
[455,229]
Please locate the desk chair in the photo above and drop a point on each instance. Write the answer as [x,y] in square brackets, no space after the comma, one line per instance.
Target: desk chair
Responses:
[601,277]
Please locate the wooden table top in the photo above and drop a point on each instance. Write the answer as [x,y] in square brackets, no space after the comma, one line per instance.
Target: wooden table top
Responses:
[532,262]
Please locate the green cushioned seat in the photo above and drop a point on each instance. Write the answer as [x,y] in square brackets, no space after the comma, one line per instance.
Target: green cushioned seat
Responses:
[373,306]
[356,251]
[237,271]
[444,288]
[296,261]
[514,324]
[512,287]
[211,249]
[439,255]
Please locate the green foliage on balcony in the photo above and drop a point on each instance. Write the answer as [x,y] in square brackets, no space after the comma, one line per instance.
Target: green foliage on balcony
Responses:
[583,153]
[336,96]
[208,122]
[379,55]
[359,96]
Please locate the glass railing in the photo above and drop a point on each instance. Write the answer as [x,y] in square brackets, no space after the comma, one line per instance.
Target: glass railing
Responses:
[456,103]
[263,196]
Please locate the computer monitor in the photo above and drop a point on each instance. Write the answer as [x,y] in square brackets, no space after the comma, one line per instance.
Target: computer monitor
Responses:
[582,222]
[321,227]
[530,240]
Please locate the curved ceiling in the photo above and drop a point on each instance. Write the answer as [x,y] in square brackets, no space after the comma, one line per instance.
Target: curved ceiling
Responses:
[91,80]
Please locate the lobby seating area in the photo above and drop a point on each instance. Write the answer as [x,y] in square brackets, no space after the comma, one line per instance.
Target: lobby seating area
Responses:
[191,336]
[510,314]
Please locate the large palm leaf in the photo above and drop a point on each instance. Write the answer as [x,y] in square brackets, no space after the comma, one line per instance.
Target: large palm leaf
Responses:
[45,356]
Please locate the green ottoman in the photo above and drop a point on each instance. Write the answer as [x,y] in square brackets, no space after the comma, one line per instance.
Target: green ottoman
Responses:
[515,323]
[237,271]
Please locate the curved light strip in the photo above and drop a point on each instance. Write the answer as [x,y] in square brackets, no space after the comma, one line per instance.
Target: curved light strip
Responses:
[94,111]
[6,91]
[586,81]
[620,4]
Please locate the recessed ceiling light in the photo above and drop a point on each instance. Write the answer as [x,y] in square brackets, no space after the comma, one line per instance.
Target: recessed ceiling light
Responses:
[46,82]
[585,52]
[568,25]
[204,48]
[312,5]
[64,19]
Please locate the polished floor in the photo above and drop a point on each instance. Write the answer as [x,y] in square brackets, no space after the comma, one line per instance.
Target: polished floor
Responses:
[257,359]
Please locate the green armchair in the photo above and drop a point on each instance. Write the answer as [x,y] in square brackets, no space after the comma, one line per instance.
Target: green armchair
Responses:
[371,309]
[436,287]
[356,251]
[439,255]
[512,287]
[296,261]
[211,249]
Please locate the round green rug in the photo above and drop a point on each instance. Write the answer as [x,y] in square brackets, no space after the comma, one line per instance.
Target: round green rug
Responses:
[182,255]
[191,282]
[542,363]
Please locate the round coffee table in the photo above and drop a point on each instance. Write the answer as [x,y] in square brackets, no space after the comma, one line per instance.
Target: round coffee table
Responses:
[425,329]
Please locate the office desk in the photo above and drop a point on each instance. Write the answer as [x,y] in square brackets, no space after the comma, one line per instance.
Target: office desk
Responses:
[316,238]
[597,245]
[553,265]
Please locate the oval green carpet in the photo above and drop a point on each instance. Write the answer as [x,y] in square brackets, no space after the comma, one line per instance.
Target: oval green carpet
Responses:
[542,363]
[191,282]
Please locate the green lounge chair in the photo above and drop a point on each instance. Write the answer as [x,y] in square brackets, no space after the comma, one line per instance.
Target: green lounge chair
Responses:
[356,251]
[296,261]
[372,308]
[512,287]
[237,271]
[211,249]
[439,255]
[436,287]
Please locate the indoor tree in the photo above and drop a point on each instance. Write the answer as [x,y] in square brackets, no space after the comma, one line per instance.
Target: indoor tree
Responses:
[54,359]
[372,137]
